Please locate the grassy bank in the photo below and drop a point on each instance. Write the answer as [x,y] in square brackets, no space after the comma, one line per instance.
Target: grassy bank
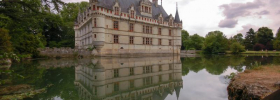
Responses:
[256,52]
[261,52]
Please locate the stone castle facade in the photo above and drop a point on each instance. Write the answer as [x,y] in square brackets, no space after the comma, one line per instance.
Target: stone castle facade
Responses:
[128,27]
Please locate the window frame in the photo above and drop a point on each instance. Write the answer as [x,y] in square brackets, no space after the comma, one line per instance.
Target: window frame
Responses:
[116,25]
[116,39]
[131,40]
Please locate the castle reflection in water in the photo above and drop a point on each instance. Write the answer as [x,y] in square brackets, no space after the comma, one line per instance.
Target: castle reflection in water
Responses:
[148,78]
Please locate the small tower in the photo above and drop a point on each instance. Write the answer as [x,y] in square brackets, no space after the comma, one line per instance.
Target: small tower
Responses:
[155,2]
[177,18]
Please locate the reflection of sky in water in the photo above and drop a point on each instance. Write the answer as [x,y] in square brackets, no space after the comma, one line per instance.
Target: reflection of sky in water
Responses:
[203,86]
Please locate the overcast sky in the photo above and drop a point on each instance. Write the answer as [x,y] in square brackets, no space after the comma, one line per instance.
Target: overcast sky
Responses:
[229,16]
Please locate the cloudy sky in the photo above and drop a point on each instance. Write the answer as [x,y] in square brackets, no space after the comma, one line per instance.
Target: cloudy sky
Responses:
[228,16]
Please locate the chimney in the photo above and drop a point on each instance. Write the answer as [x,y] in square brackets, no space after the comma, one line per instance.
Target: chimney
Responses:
[155,2]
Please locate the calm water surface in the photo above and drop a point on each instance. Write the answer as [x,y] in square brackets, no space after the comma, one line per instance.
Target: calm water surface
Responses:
[143,78]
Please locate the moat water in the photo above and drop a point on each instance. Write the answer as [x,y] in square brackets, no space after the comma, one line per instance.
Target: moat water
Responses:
[141,78]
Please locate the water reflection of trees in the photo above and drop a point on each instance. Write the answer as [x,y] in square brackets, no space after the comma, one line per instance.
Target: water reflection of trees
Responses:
[61,80]
[214,64]
[217,64]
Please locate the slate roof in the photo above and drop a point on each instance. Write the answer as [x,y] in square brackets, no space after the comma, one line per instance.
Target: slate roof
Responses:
[177,18]
[125,4]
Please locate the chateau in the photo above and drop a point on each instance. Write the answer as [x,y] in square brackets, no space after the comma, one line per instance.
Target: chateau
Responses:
[115,27]
[147,78]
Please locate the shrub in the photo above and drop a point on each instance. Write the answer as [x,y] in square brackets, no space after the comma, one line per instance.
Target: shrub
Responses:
[237,48]
[259,47]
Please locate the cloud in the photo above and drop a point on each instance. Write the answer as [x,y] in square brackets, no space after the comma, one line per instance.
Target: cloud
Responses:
[264,12]
[247,27]
[278,12]
[228,23]
[235,10]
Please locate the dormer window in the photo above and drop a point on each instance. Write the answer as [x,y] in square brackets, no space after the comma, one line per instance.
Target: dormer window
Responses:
[170,22]
[132,14]
[160,20]
[117,11]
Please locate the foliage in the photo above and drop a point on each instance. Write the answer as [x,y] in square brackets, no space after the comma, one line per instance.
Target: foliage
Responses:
[276,42]
[185,37]
[215,42]
[259,47]
[5,44]
[194,42]
[237,48]
[250,39]
[264,36]
[238,38]
[35,24]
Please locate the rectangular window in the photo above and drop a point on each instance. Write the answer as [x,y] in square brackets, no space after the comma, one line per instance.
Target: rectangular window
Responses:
[170,42]
[151,30]
[144,29]
[131,40]
[93,7]
[170,76]
[159,31]
[131,71]
[116,25]
[159,41]
[131,83]
[147,29]
[170,32]
[131,27]
[147,40]
[143,40]
[170,67]
[116,87]
[151,41]
[116,73]
[95,22]
[116,39]
[160,68]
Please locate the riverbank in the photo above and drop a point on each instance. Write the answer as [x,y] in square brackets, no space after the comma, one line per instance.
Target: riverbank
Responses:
[255,84]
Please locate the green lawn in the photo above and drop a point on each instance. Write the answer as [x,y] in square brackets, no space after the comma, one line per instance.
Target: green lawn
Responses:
[257,52]
[261,52]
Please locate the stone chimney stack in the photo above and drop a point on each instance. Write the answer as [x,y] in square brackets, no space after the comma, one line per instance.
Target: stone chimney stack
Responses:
[155,2]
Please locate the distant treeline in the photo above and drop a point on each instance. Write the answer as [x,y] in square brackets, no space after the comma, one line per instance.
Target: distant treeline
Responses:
[216,42]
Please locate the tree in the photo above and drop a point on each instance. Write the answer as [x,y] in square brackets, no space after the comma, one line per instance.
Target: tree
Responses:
[259,47]
[5,44]
[194,42]
[276,42]
[215,42]
[265,36]
[185,37]
[250,39]
[236,48]
[238,38]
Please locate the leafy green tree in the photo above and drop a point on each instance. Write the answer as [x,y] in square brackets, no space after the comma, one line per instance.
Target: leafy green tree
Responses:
[5,44]
[236,48]
[250,39]
[265,36]
[185,37]
[276,42]
[195,41]
[238,38]
[215,42]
